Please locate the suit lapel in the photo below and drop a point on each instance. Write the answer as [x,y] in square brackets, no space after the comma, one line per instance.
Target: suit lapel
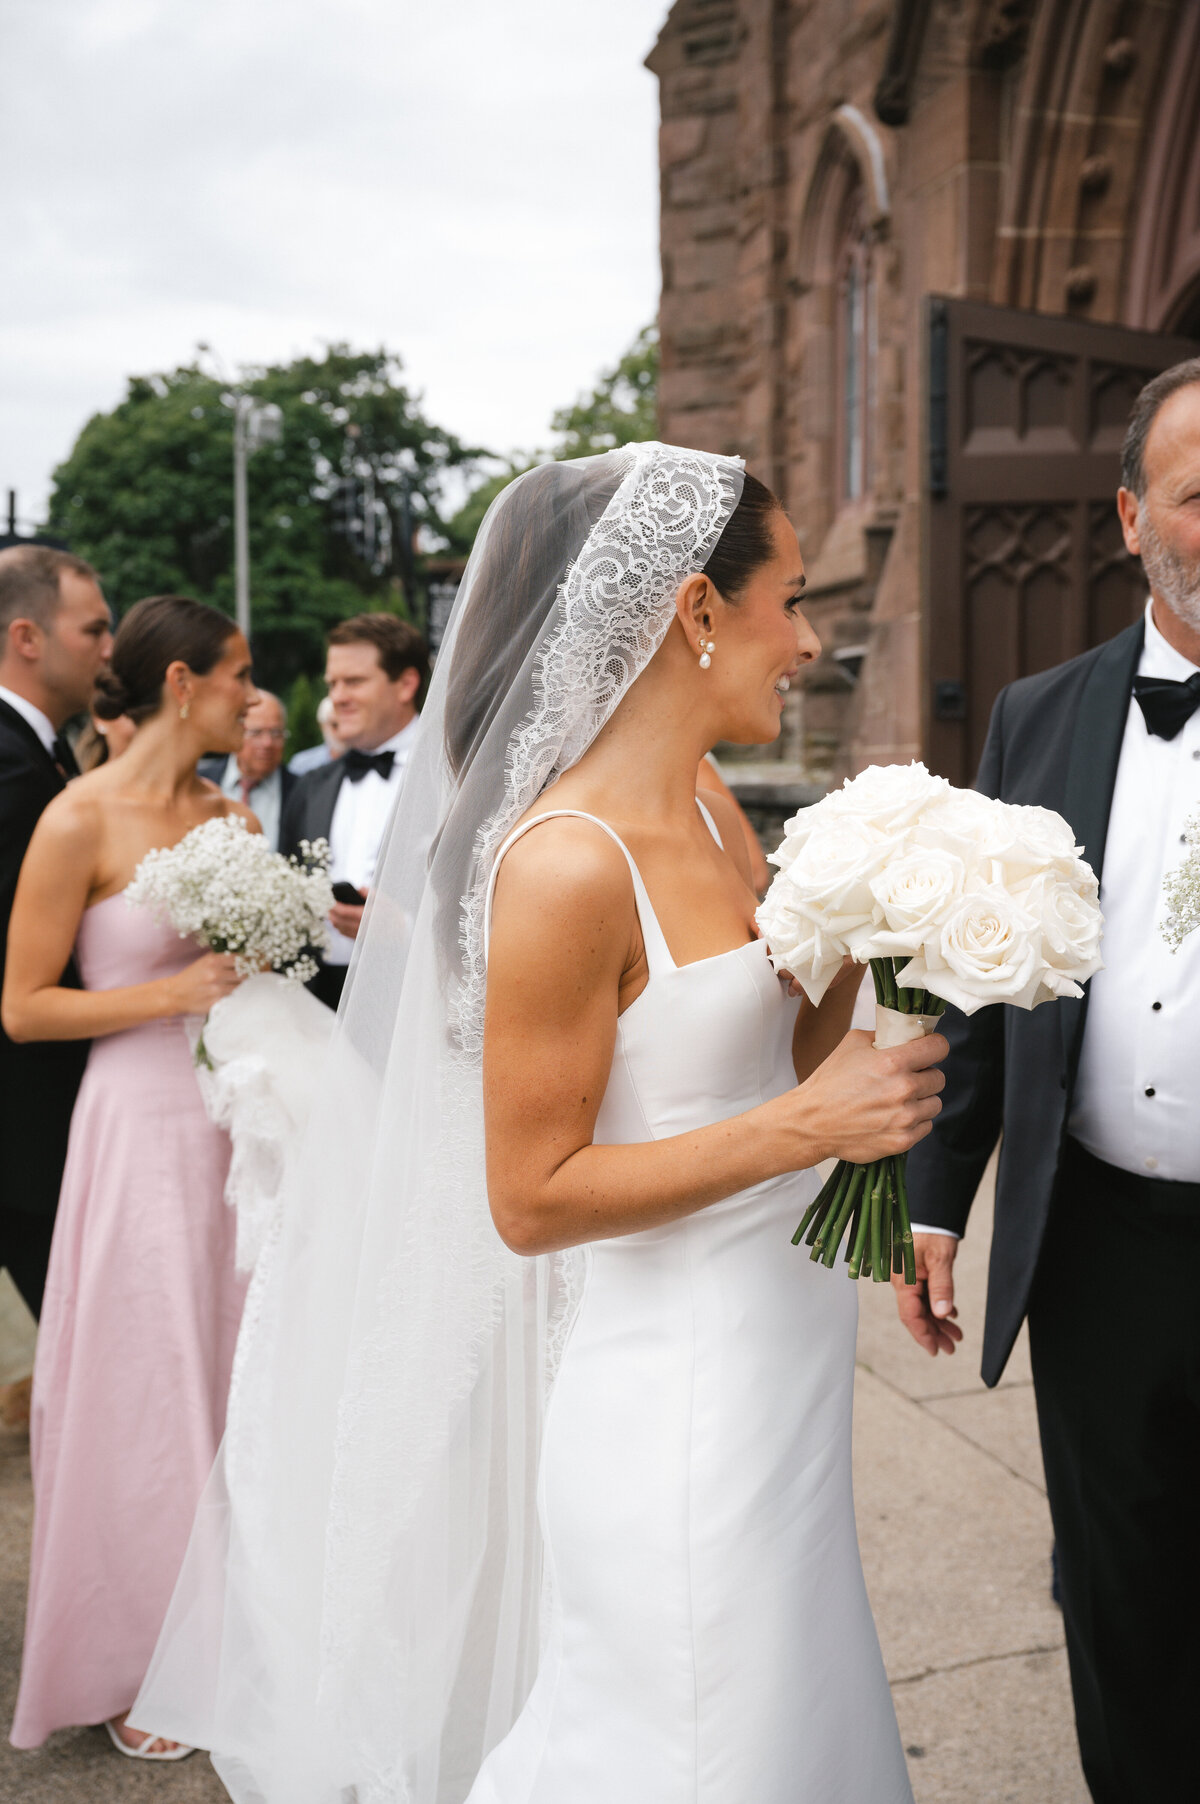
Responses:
[21,726]
[1092,776]
[324,801]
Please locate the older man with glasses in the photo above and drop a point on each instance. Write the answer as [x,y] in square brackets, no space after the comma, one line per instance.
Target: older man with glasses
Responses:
[257,775]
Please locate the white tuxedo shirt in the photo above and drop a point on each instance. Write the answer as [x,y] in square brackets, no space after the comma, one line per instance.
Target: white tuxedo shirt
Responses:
[360,817]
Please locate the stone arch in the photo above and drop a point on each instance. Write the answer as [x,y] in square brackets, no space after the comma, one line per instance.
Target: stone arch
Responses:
[851,154]
[1163,277]
[849,183]
[1082,96]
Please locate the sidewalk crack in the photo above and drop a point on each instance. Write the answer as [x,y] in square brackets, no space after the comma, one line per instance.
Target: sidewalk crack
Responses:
[1019,1653]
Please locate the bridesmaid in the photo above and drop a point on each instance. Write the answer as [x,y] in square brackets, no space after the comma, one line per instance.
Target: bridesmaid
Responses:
[142,1298]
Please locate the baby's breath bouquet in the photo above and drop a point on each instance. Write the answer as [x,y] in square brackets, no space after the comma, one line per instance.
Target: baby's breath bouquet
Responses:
[1182,890]
[259,1054]
[224,887]
[949,896]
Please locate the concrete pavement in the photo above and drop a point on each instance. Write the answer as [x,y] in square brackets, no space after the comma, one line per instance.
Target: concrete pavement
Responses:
[956,1542]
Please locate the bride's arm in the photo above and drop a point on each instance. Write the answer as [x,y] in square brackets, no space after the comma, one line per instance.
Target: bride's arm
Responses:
[52,892]
[563,934]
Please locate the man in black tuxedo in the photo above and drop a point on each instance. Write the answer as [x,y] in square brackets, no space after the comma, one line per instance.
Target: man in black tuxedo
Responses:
[55,637]
[1097,1226]
[376,668]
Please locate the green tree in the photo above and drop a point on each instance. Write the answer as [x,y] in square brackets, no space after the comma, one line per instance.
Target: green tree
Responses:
[302,700]
[146,495]
[622,409]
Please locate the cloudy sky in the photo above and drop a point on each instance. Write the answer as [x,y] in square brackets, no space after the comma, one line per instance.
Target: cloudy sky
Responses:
[471,182]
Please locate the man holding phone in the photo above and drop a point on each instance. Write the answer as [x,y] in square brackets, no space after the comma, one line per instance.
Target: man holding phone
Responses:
[376,671]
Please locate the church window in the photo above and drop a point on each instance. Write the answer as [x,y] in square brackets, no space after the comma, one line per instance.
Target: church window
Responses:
[855,357]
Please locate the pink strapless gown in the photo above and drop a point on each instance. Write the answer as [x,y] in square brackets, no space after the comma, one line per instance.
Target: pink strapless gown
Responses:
[134,1352]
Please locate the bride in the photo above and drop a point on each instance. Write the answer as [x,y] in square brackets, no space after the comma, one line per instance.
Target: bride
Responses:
[536,1481]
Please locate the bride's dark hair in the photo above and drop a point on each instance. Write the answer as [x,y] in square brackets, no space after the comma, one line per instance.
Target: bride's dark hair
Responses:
[161,630]
[746,543]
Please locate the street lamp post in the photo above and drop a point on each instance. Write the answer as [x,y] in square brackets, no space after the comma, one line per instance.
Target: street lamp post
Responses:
[255,423]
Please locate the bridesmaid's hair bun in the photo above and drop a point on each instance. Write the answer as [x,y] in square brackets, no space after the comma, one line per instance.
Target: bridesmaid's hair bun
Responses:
[162,630]
[110,699]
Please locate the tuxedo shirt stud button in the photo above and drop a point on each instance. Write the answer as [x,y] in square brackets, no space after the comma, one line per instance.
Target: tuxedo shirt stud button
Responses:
[1156,1006]
[1150,1090]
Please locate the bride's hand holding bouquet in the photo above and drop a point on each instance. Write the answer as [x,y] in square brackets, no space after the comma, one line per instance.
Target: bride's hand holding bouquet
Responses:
[949,896]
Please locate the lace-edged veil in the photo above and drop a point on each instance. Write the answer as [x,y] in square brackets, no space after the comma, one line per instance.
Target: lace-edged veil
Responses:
[357,1619]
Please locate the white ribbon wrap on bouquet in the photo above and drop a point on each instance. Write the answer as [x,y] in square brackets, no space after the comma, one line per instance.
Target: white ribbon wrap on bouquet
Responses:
[894,1029]
[266,1043]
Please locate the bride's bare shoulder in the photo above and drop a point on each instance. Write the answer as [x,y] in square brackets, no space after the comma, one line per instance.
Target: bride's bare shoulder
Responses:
[563,869]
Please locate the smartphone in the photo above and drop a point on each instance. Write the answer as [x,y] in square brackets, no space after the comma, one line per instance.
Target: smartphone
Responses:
[346,892]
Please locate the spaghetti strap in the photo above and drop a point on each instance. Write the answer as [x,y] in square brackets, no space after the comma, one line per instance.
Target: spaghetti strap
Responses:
[658,956]
[710,823]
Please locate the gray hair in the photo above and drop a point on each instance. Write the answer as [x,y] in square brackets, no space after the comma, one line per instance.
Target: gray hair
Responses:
[1159,389]
[30,583]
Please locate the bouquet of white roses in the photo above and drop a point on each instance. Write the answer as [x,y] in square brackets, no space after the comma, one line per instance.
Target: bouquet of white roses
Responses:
[223,886]
[1182,890]
[950,896]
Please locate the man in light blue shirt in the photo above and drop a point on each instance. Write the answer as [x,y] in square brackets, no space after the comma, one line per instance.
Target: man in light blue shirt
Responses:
[256,775]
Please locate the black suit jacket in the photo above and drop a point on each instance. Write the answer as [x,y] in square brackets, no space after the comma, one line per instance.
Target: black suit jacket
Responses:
[309,804]
[213,767]
[37,1082]
[308,813]
[1054,740]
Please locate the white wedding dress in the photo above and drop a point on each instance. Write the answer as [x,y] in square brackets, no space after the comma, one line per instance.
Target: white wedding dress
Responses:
[709,1638]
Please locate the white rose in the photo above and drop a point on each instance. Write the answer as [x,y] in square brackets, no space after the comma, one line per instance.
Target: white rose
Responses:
[1071,925]
[988,951]
[797,832]
[1028,840]
[913,895]
[796,943]
[831,874]
[889,796]
[963,822]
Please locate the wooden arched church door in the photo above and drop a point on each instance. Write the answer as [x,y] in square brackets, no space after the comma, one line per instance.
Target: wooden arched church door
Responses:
[1024,564]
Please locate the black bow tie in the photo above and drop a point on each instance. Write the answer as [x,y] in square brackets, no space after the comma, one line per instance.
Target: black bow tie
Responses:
[1167,705]
[64,757]
[359,763]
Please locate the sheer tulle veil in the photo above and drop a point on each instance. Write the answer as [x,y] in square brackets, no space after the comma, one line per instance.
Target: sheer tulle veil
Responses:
[357,1618]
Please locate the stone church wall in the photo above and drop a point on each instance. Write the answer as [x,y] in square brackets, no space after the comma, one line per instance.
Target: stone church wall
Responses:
[990,149]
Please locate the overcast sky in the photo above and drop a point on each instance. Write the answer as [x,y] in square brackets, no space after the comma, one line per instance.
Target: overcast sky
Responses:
[471,182]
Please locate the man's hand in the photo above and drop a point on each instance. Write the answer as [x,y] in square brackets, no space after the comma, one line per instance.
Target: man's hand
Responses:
[927,1307]
[347,918]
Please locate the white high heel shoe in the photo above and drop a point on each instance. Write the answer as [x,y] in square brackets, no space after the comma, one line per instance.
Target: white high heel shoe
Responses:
[144,1747]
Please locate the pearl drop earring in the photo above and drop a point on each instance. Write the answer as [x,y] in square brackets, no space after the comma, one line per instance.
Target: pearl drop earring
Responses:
[710,647]
[185,710]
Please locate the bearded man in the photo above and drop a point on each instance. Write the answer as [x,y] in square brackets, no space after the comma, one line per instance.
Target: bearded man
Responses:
[1097,1234]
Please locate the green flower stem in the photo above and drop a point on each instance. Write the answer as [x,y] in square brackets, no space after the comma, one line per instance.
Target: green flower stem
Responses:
[841,1213]
[859,1242]
[820,1242]
[906,1239]
[877,1265]
[855,1223]
[798,1236]
[836,1190]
